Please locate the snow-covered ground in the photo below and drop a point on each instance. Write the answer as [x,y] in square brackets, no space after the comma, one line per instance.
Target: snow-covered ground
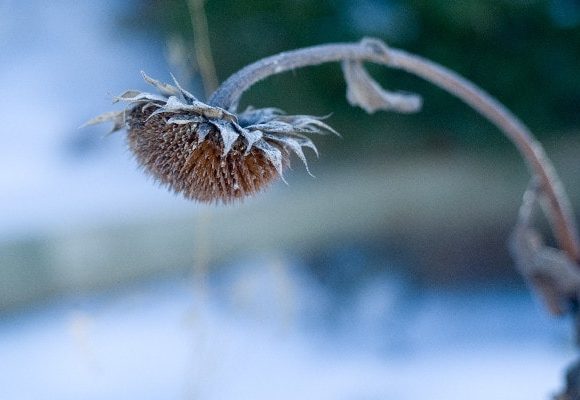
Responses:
[246,338]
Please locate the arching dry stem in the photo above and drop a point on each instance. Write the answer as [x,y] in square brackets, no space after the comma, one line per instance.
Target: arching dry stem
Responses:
[555,201]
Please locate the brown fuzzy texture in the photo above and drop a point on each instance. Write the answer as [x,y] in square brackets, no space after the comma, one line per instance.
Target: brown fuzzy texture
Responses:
[172,155]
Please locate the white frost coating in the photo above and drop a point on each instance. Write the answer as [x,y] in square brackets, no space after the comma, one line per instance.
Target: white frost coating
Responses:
[251,136]
[188,97]
[173,104]
[229,135]
[293,145]
[163,88]
[117,117]
[133,96]
[202,131]
[274,127]
[366,93]
[273,155]
[306,142]
[184,119]
[307,123]
[252,116]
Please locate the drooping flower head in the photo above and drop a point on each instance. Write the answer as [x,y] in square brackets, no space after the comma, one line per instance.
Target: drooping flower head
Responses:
[206,153]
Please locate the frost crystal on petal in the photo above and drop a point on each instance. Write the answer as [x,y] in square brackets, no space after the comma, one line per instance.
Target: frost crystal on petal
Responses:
[163,88]
[254,116]
[133,96]
[184,119]
[272,154]
[308,124]
[293,145]
[229,135]
[188,97]
[203,130]
[251,136]
[117,117]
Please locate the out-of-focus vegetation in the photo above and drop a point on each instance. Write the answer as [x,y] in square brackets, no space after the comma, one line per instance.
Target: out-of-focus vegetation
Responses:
[524,52]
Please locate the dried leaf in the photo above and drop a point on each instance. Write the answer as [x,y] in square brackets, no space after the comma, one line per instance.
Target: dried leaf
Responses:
[365,92]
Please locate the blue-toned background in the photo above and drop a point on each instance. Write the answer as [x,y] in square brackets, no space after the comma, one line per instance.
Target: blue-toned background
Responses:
[386,276]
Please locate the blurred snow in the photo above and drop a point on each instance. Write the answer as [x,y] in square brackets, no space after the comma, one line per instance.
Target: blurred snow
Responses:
[61,63]
[241,337]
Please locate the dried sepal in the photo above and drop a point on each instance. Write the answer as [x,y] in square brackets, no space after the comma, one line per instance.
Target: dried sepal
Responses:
[188,97]
[273,154]
[134,96]
[184,119]
[251,136]
[308,124]
[116,117]
[252,116]
[163,88]
[293,145]
[227,132]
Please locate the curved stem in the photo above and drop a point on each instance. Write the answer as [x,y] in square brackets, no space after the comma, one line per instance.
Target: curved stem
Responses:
[556,203]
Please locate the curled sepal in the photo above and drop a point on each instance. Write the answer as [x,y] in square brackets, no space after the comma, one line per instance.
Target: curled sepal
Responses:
[365,92]
[548,270]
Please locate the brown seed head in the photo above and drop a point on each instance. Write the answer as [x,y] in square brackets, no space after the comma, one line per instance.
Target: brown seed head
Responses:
[199,170]
[204,152]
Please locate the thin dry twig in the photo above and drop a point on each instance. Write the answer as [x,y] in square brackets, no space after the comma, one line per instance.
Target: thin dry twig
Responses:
[203,53]
[555,201]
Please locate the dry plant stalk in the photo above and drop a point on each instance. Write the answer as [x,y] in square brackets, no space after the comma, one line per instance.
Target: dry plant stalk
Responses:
[211,152]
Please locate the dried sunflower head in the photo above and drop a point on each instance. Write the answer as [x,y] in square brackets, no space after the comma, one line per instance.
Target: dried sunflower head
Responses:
[207,153]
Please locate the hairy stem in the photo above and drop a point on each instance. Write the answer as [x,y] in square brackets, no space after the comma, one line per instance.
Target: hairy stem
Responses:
[556,204]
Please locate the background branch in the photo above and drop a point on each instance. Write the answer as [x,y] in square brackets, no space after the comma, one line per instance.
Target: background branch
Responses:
[203,54]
